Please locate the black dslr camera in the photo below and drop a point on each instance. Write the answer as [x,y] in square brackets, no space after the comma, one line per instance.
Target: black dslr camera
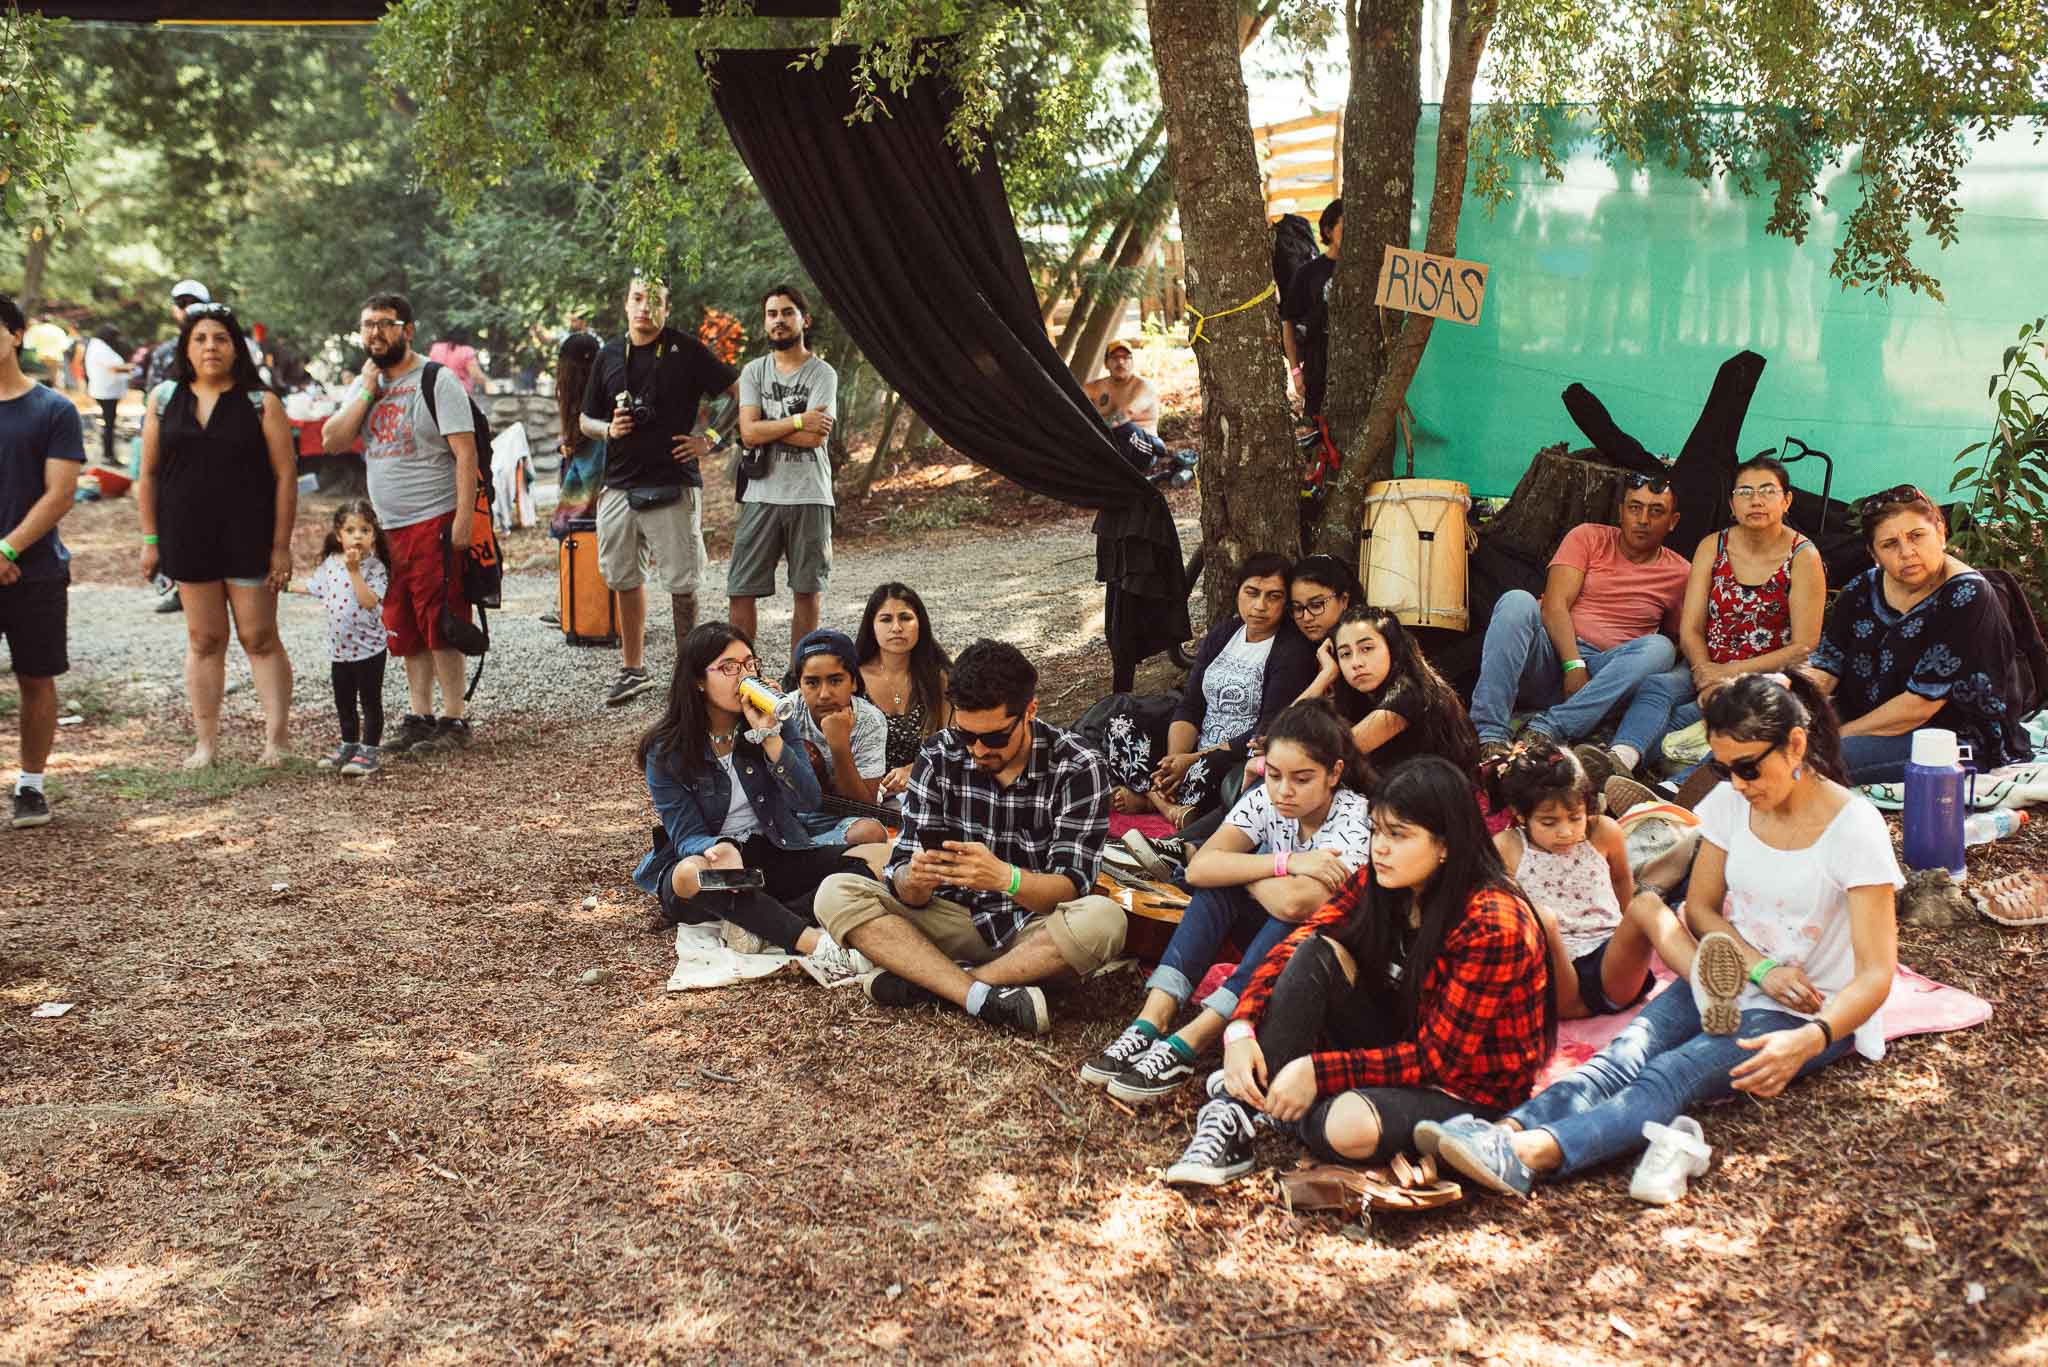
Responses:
[639,410]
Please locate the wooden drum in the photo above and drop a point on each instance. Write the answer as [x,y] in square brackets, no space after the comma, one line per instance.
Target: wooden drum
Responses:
[1412,556]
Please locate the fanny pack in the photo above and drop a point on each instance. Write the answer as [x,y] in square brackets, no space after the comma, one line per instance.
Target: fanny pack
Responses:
[640,500]
[755,461]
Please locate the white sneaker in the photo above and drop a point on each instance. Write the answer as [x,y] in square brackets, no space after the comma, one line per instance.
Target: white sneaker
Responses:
[831,964]
[1677,1153]
[742,941]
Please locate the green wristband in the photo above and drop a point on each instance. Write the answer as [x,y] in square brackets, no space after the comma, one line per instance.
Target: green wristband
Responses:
[7,549]
[1016,880]
[149,539]
[1570,665]
[1762,970]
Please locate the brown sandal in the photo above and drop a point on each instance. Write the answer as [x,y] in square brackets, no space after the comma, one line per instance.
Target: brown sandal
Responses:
[1407,1184]
[2018,899]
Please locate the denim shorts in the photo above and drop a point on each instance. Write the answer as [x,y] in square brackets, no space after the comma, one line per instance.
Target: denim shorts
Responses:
[1587,966]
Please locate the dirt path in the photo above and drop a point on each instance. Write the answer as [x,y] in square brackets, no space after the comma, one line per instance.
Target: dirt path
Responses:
[333,1090]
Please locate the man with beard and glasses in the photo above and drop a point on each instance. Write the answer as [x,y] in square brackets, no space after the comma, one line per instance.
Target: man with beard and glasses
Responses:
[995,864]
[422,477]
[645,392]
[788,401]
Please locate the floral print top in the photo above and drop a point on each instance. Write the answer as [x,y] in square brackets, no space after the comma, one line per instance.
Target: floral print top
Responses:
[1748,620]
[1954,644]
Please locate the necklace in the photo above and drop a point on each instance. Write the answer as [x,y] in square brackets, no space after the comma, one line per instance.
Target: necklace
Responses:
[725,737]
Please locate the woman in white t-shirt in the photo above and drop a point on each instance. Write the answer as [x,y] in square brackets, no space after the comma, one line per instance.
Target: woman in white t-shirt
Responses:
[1792,896]
[1287,845]
[106,379]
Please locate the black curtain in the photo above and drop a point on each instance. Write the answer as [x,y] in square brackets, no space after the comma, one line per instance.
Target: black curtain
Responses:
[919,259]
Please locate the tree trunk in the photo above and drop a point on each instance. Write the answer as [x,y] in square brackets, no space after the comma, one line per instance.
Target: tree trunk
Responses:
[1098,218]
[1378,138]
[881,456]
[1250,476]
[1556,493]
[34,261]
[1471,26]
[1140,246]
[1093,285]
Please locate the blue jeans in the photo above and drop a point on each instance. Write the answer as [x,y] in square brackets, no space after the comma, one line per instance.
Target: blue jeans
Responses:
[1657,1067]
[1876,759]
[1662,704]
[1214,915]
[1519,664]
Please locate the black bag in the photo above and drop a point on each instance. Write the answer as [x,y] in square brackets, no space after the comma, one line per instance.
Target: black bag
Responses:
[470,638]
[755,461]
[483,567]
[641,500]
[1294,246]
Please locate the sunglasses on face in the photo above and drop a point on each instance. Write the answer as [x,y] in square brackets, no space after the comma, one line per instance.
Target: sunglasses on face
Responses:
[987,740]
[1748,770]
[1656,484]
[1898,493]
[733,669]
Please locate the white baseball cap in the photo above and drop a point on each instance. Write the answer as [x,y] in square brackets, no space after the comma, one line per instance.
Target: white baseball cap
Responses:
[192,288]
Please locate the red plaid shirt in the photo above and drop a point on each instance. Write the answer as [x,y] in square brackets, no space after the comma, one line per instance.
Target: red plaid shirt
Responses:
[1480,1031]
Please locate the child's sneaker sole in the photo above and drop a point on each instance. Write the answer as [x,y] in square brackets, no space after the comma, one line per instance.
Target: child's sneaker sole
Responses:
[1717,967]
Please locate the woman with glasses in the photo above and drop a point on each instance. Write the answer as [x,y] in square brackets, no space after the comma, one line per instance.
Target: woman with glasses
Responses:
[218,494]
[731,786]
[1919,639]
[1753,604]
[1792,896]
[1321,591]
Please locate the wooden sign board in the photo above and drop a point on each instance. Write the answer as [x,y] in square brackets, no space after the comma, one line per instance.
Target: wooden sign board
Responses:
[1441,286]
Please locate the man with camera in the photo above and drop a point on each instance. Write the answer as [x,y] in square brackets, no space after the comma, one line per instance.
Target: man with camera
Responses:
[788,401]
[645,392]
[421,468]
[995,864]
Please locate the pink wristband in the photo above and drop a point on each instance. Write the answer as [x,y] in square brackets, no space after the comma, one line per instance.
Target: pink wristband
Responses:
[1280,863]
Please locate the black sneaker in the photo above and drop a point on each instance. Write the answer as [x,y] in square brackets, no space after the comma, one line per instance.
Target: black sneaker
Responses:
[630,684]
[1221,1151]
[31,808]
[450,734]
[1158,1072]
[169,602]
[1017,1008]
[1121,1053]
[1159,862]
[884,988]
[411,732]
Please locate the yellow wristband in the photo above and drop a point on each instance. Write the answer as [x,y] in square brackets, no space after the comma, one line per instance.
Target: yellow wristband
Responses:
[799,421]
[711,435]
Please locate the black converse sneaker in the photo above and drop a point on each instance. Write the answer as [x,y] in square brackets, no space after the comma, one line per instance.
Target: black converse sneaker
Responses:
[1221,1151]
[1120,1054]
[630,684]
[31,808]
[1158,1072]
[1017,1008]
[884,988]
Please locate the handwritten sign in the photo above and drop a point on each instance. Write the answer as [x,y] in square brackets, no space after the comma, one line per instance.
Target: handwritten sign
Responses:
[1441,286]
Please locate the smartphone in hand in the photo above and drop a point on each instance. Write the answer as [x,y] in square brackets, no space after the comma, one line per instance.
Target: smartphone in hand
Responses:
[935,837]
[731,880]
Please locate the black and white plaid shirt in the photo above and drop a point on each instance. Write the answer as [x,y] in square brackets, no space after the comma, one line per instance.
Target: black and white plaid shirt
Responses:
[1052,818]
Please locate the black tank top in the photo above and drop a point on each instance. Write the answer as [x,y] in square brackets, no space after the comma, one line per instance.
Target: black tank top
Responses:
[216,495]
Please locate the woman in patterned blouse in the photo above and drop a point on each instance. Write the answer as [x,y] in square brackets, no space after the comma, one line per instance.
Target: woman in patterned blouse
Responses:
[1920,639]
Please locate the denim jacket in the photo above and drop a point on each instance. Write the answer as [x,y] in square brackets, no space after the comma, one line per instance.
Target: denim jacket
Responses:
[692,809]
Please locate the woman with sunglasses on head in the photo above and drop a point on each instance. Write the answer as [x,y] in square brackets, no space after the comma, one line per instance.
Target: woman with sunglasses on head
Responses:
[1919,639]
[1753,604]
[731,786]
[1792,896]
[217,494]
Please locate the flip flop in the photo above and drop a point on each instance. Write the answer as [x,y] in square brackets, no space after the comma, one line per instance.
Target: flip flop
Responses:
[2018,899]
[1340,1187]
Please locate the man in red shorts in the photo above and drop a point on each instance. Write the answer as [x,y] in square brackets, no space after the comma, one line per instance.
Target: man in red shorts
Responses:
[422,476]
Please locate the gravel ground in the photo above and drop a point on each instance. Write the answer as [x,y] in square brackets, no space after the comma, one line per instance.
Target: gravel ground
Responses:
[1033,587]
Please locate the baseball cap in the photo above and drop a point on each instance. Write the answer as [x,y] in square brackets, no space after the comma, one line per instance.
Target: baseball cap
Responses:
[190,289]
[1120,344]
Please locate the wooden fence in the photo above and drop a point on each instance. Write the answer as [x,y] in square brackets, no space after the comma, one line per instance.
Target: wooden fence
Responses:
[1301,163]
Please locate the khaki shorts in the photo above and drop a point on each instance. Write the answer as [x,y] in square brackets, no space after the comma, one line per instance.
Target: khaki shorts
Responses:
[1088,931]
[768,531]
[673,534]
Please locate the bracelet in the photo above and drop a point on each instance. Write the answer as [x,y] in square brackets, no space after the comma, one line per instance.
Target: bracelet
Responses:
[1016,880]
[1825,1029]
[799,421]
[760,735]
[7,549]
[1761,969]
[1236,1031]
[1570,665]
[149,538]
[369,394]
[711,435]
[1280,863]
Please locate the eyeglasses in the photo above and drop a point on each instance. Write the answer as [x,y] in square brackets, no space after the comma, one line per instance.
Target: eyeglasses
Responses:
[1762,493]
[1898,493]
[988,740]
[733,669]
[1748,770]
[1313,607]
[383,325]
[1656,484]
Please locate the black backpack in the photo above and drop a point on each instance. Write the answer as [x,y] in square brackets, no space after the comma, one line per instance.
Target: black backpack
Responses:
[2029,650]
[1294,246]
[482,565]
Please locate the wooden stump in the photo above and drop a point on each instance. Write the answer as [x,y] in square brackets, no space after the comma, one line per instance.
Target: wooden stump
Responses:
[1557,492]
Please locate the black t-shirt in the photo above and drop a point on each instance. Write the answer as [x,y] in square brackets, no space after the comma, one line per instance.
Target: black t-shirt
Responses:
[1399,697]
[1307,310]
[674,374]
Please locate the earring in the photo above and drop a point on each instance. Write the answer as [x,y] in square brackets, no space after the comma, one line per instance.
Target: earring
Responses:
[1798,772]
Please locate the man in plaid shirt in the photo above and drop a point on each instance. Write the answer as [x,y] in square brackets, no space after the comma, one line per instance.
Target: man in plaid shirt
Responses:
[1003,826]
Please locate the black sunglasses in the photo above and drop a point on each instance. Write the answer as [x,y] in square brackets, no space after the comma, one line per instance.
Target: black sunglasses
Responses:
[1898,493]
[987,740]
[209,311]
[1656,484]
[1748,770]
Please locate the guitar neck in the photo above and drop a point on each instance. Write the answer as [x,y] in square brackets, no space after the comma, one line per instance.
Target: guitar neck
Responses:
[834,805]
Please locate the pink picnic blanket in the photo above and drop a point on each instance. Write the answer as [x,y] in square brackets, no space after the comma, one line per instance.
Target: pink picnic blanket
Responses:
[1153,827]
[1917,1006]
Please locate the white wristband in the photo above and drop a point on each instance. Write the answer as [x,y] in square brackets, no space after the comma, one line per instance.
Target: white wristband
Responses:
[1236,1031]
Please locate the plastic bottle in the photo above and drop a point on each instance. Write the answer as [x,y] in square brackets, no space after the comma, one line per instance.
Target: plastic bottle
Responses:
[1939,783]
[1981,828]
